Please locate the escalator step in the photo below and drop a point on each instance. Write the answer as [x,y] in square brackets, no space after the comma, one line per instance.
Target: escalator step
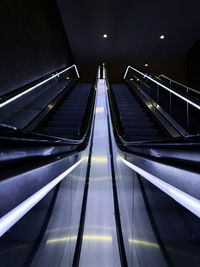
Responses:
[67,118]
[57,123]
[138,124]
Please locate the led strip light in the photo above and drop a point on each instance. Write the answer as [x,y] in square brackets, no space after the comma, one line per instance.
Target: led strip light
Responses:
[187,201]
[37,85]
[13,216]
[163,86]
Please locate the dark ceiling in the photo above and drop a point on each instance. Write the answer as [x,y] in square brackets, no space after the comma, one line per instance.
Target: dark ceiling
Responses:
[133,29]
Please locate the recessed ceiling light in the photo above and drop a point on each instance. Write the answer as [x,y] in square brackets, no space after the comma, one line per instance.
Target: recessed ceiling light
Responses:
[146,65]
[131,79]
[162,37]
[105,35]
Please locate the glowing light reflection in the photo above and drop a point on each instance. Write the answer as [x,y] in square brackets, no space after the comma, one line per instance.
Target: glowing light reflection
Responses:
[85,237]
[99,159]
[99,109]
[143,242]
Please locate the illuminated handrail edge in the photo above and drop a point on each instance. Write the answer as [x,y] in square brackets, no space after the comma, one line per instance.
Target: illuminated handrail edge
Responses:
[37,85]
[189,202]
[13,216]
[163,86]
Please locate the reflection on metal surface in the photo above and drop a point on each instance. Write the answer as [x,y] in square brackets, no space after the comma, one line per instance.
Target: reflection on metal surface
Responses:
[99,109]
[155,245]
[13,250]
[117,158]
[101,179]
[144,243]
[76,227]
[189,202]
[100,237]
[100,159]
[61,239]
[150,106]
[50,106]
[85,237]
[8,220]
[97,238]
[84,158]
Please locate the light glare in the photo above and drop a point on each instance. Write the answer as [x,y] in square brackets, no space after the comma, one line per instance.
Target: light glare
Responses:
[85,237]
[143,242]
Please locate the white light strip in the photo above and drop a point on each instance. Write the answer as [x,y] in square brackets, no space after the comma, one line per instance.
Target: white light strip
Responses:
[163,86]
[37,85]
[13,216]
[187,201]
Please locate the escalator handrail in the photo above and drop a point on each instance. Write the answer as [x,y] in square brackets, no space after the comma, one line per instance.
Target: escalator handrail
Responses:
[27,90]
[159,83]
[158,160]
[161,163]
[39,144]
[57,145]
[182,85]
[15,214]
[187,199]
[35,142]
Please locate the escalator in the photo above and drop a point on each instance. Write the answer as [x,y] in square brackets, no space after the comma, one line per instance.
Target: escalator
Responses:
[137,122]
[158,229]
[67,119]
[116,164]
[55,145]
[185,114]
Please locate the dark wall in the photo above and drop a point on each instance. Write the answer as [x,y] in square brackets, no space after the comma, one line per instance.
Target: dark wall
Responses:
[33,42]
[194,66]
[133,29]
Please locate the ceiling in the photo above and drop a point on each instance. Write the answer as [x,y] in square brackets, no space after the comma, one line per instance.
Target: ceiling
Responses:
[133,29]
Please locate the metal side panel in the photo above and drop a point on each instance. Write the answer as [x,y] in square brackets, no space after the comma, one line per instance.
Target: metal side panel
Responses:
[141,245]
[45,215]
[58,243]
[100,246]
